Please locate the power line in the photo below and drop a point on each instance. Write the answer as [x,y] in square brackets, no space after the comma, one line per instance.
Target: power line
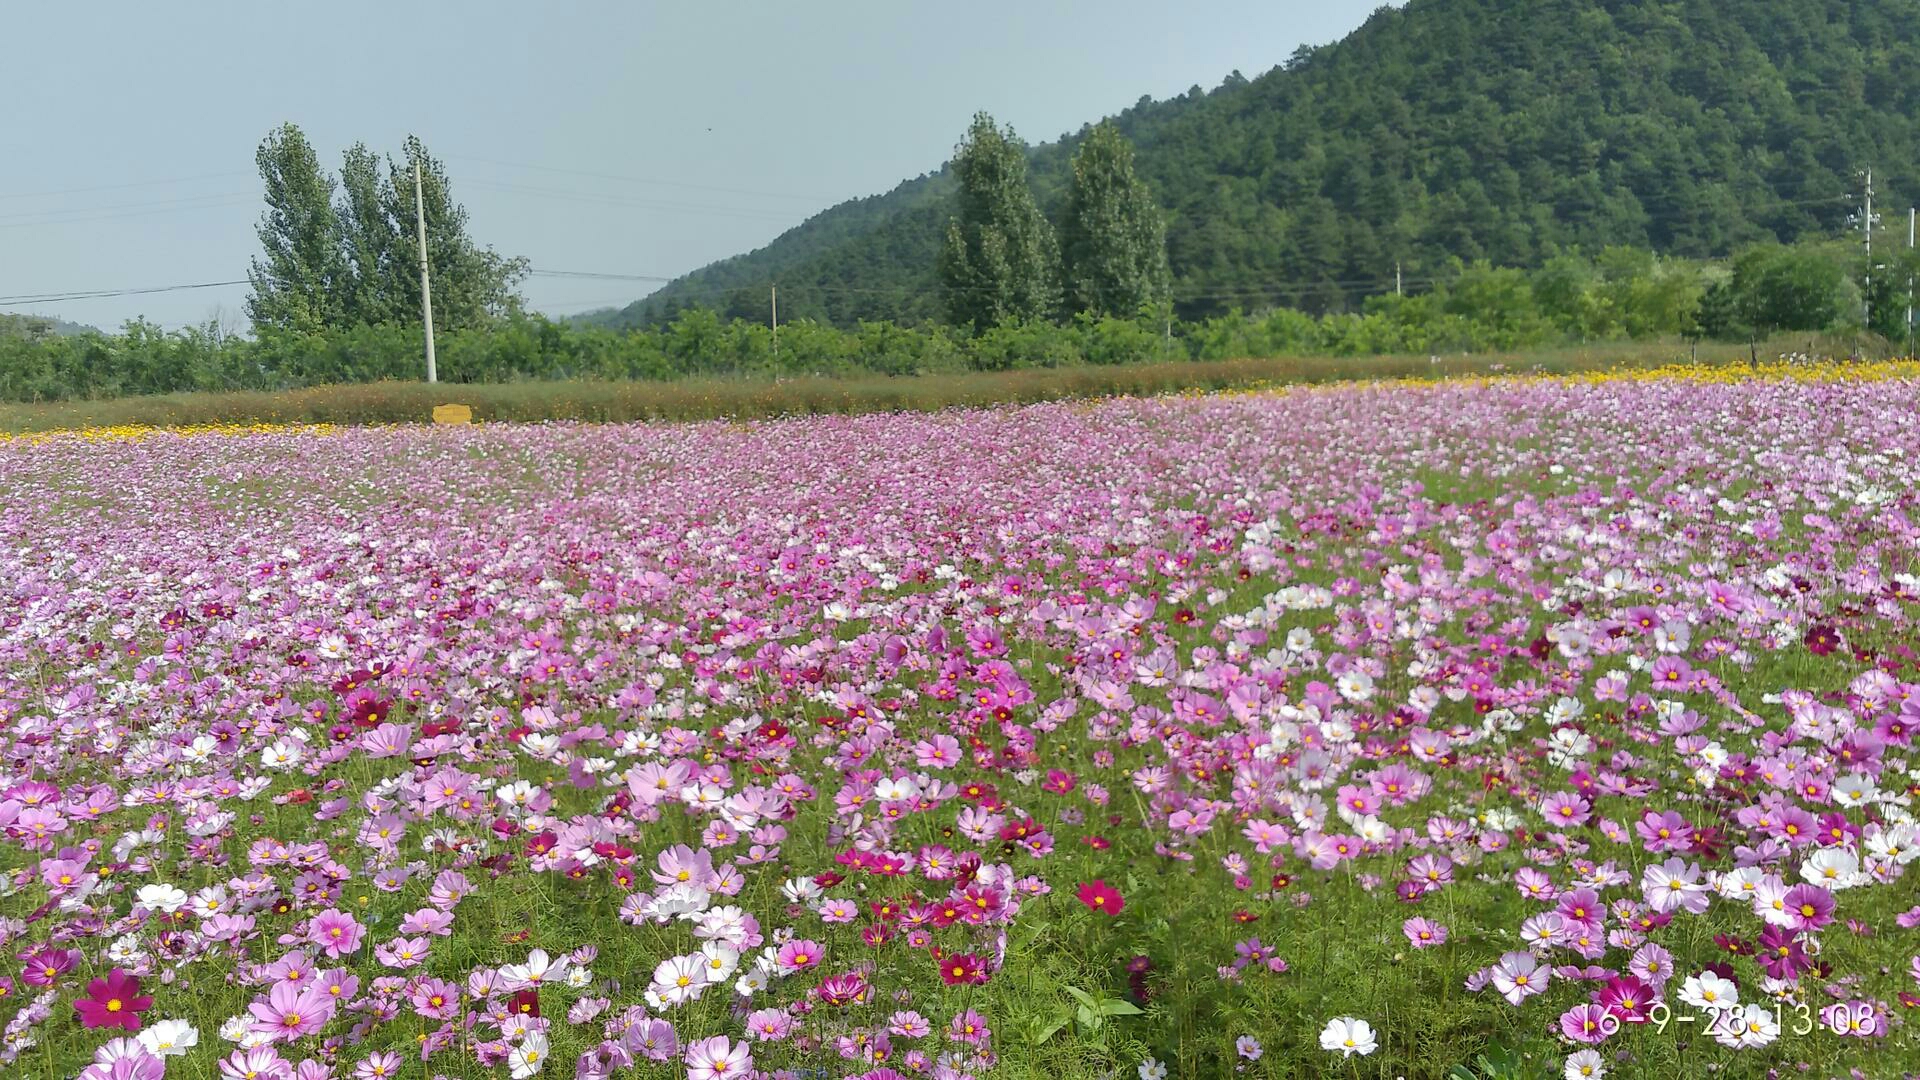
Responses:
[101,294]
[120,187]
[217,203]
[126,206]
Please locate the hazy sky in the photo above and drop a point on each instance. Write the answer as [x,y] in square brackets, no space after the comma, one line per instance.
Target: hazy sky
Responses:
[126,157]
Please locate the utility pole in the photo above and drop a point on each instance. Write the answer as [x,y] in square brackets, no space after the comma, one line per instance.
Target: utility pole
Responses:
[773,317]
[1866,228]
[1396,278]
[1910,237]
[426,289]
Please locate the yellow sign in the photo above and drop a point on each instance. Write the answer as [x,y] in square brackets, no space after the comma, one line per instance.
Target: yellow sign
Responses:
[452,414]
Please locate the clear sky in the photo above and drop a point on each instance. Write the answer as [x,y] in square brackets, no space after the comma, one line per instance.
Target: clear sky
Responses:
[126,156]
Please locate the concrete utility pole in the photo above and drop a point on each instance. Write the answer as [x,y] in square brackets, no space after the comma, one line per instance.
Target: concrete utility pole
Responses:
[1396,279]
[1866,228]
[773,316]
[426,289]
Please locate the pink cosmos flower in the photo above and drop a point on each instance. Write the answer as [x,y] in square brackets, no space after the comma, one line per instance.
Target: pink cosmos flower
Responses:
[717,1058]
[1588,1023]
[336,932]
[1423,933]
[292,1012]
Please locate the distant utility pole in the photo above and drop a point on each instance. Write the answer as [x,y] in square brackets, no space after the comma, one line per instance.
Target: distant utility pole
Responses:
[426,289]
[1911,220]
[773,316]
[1866,230]
[1396,278]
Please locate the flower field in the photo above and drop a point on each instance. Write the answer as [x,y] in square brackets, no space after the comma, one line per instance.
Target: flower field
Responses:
[1506,728]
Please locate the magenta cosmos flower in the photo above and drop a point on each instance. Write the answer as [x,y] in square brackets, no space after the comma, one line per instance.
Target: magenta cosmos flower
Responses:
[962,968]
[799,955]
[1100,896]
[114,1001]
[1808,907]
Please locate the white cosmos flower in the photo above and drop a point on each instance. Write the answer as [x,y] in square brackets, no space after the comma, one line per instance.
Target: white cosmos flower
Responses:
[1709,991]
[283,754]
[1355,686]
[1832,868]
[1758,1027]
[721,960]
[538,970]
[169,1038]
[529,1057]
[1347,1036]
[1585,1065]
[678,979]
[891,789]
[161,897]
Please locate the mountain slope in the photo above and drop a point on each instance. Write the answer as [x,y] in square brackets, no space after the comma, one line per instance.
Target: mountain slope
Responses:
[1502,130]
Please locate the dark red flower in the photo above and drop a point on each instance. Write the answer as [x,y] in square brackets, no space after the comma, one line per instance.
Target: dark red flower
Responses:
[1821,640]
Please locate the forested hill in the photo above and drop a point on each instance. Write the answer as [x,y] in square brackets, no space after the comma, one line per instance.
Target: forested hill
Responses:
[1474,129]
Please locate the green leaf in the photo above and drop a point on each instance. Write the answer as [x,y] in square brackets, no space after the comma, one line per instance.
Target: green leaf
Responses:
[1119,1007]
[1053,1028]
[1081,996]
[1090,1019]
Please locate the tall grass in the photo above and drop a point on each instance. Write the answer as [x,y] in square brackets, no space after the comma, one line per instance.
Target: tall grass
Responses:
[747,397]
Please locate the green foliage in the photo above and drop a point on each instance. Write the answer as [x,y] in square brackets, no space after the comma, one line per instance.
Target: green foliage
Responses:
[1113,243]
[1620,295]
[297,280]
[471,284]
[1001,260]
[331,266]
[1508,131]
[1501,1063]
[1775,288]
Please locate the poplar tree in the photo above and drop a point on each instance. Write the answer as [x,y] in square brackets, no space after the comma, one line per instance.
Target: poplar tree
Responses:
[297,278]
[1001,260]
[1113,240]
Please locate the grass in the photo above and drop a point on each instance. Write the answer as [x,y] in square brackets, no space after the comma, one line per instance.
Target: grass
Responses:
[750,397]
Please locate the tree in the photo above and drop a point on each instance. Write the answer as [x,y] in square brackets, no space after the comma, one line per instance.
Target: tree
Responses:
[471,285]
[1113,241]
[1001,261]
[296,282]
[375,252]
[358,261]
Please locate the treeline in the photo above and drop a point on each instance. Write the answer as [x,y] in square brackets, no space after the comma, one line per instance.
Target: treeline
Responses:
[1620,294]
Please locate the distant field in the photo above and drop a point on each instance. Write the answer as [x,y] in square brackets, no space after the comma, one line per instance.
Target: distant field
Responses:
[745,398]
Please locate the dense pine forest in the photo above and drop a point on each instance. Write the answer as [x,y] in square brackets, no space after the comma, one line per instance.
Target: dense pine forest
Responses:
[1500,130]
